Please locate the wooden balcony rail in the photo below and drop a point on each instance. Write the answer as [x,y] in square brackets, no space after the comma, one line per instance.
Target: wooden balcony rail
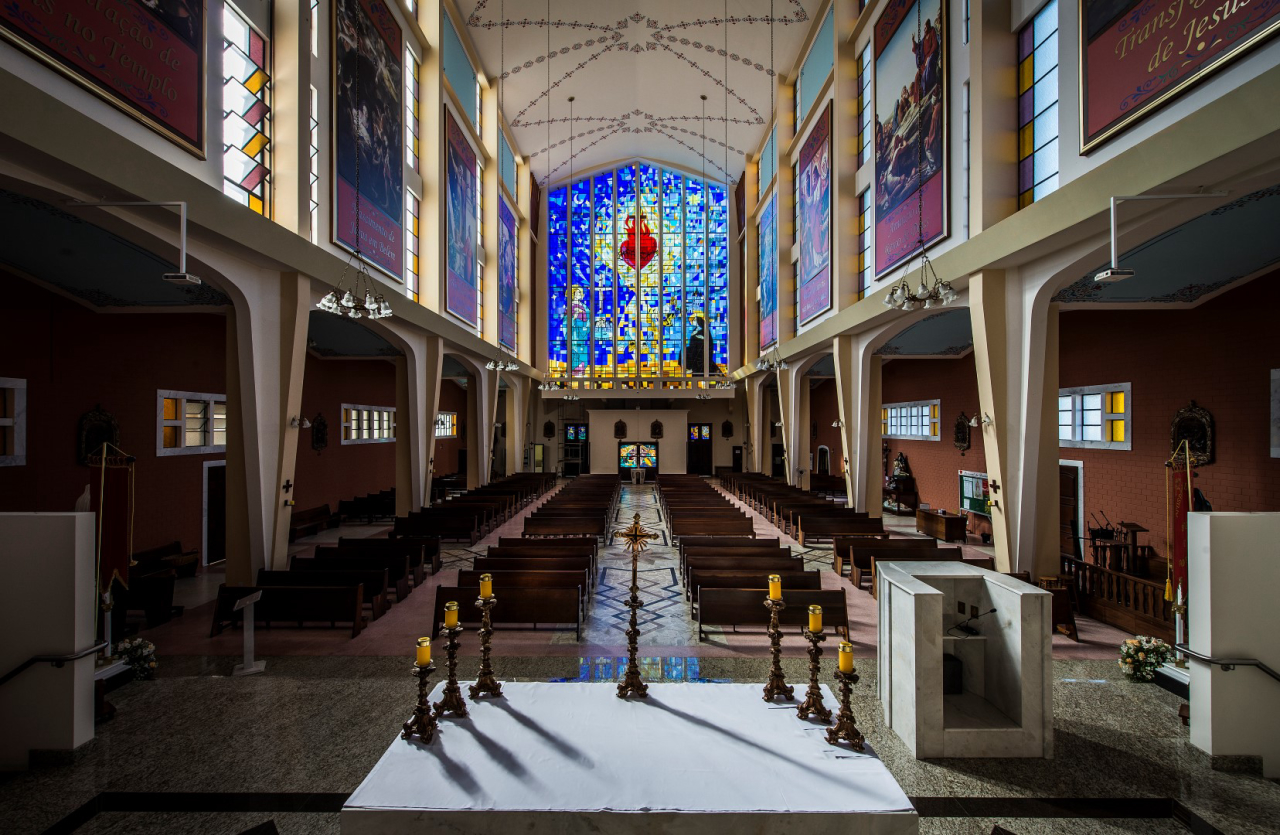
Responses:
[1122,600]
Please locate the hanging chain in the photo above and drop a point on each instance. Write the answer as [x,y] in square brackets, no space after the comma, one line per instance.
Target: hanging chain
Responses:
[355,120]
[548,21]
[920,58]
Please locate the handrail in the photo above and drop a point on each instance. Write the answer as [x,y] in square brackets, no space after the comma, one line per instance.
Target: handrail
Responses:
[1227,663]
[55,660]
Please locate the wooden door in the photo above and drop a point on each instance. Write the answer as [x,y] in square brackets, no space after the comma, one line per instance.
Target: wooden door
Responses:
[699,458]
[1069,511]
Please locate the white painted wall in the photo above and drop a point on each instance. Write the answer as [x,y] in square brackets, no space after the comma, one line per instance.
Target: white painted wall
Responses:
[47,607]
[672,447]
[1232,577]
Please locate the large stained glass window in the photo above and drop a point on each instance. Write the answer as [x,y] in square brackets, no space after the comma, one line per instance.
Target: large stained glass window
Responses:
[638,268]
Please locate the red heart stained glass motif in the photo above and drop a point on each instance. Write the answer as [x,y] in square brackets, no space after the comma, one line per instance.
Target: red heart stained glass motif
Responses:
[642,250]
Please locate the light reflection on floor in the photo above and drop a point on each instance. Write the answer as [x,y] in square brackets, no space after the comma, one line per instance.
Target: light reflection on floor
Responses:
[653,668]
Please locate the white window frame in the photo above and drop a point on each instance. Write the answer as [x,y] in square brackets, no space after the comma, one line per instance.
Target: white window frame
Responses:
[1077,395]
[898,416]
[445,416]
[380,432]
[17,422]
[181,422]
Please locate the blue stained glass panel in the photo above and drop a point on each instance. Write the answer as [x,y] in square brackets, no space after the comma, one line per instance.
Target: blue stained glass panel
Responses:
[580,278]
[626,302]
[602,329]
[557,281]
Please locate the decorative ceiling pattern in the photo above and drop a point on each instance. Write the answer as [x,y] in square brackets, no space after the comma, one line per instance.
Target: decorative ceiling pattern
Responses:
[1201,256]
[654,61]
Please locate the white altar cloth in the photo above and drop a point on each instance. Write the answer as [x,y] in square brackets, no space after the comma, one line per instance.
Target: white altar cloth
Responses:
[566,758]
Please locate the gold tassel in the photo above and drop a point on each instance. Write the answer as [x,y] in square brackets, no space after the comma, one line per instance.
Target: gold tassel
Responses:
[1168,589]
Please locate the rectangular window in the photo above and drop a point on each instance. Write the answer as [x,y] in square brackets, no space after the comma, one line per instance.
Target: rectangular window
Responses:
[864,243]
[411,97]
[1095,416]
[1038,106]
[190,423]
[916,421]
[368,424]
[315,28]
[13,422]
[965,139]
[967,14]
[313,202]
[446,424]
[411,209]
[865,143]
[246,109]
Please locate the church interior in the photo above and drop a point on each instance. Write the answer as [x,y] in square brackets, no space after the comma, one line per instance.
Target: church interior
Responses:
[580,416]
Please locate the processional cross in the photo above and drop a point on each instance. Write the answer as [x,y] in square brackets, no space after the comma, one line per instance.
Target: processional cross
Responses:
[637,540]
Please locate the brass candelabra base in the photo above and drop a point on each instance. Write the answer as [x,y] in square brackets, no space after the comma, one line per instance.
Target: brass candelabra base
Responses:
[632,684]
[423,722]
[812,704]
[485,684]
[452,703]
[777,685]
[845,730]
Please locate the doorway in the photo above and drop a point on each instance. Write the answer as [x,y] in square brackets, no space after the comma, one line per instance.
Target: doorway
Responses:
[1070,507]
[700,449]
[778,468]
[824,461]
[737,459]
[213,545]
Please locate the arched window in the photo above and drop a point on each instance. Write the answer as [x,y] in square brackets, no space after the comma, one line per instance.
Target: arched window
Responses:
[638,275]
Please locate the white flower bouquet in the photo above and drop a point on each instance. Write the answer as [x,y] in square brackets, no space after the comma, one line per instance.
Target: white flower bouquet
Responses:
[140,655]
[1140,656]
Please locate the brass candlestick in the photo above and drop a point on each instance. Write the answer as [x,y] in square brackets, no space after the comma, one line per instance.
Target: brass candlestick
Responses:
[777,685]
[423,722]
[845,730]
[452,702]
[637,539]
[485,682]
[812,704]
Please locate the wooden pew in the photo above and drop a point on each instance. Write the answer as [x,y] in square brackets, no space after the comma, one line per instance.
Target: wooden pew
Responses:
[741,526]
[422,551]
[184,562]
[514,607]
[862,558]
[810,529]
[844,547]
[520,579]
[492,564]
[779,552]
[295,604]
[355,558]
[311,521]
[771,565]
[373,581]
[706,579]
[521,551]
[549,542]
[981,562]
[729,542]
[458,526]
[731,607]
[564,526]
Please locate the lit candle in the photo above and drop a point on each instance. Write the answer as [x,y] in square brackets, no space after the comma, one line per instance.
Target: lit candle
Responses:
[775,587]
[424,652]
[450,614]
[846,657]
[815,618]
[486,586]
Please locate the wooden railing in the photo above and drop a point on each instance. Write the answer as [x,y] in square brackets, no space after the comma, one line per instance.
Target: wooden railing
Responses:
[1122,600]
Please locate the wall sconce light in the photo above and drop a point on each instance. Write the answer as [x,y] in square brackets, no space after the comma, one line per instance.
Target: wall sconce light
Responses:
[777,423]
[299,423]
[985,421]
[837,424]
[571,397]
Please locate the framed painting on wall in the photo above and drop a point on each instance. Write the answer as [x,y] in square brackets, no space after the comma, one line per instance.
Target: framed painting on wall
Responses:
[508,240]
[768,238]
[462,224]
[814,215]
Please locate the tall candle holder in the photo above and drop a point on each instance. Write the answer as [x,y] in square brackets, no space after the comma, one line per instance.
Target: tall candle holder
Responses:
[637,540]
[845,730]
[812,704]
[485,682]
[777,685]
[423,722]
[452,703]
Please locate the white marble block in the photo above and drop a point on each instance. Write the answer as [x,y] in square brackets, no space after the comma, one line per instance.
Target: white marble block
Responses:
[1006,707]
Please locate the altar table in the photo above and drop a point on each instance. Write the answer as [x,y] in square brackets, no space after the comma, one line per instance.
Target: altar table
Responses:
[568,758]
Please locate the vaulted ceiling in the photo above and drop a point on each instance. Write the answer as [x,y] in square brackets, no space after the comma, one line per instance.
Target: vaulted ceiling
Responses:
[636,70]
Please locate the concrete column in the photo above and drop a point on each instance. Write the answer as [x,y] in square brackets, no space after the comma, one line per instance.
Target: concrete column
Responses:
[1015,343]
[858,403]
[417,402]
[756,432]
[290,116]
[482,412]
[516,419]
[491,196]
[431,158]
[793,403]
[993,109]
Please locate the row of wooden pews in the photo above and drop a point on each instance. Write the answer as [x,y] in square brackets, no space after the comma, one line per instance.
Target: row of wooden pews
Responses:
[584,507]
[369,507]
[470,516]
[861,555]
[726,575]
[806,516]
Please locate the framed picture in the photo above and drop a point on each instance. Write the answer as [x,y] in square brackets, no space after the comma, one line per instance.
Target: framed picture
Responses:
[814,195]
[508,243]
[462,223]
[768,246]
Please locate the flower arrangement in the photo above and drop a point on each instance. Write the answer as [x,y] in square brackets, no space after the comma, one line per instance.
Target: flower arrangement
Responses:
[140,655]
[1140,656]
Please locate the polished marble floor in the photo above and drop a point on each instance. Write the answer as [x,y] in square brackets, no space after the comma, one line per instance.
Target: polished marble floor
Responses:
[199,751]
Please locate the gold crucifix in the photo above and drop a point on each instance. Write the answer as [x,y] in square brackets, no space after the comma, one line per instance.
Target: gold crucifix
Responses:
[637,538]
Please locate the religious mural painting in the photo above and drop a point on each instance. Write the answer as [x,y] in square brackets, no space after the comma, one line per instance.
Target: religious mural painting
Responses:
[911,129]
[814,195]
[638,276]
[508,241]
[768,248]
[375,114]
[1138,54]
[145,57]
[462,225]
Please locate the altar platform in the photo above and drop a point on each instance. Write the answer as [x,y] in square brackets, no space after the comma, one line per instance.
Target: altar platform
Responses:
[575,759]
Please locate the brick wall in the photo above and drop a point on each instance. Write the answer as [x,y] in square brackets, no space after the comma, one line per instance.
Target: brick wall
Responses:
[453,398]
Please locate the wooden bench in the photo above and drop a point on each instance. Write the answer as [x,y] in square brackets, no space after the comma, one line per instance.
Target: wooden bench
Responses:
[422,551]
[721,527]
[771,565]
[522,552]
[293,604]
[981,562]
[549,542]
[354,558]
[373,581]
[707,579]
[150,592]
[311,521]
[734,607]
[844,549]
[810,530]
[522,579]
[460,527]
[492,564]
[514,607]
[728,542]
[167,556]
[564,526]
[862,558]
[779,552]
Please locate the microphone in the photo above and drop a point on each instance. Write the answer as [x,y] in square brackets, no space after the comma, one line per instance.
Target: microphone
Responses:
[969,630]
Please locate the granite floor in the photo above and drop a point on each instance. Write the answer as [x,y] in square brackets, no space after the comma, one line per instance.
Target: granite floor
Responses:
[197,750]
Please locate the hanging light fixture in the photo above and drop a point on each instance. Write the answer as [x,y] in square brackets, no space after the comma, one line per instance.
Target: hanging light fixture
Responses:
[501,365]
[772,361]
[360,299]
[935,293]
[572,397]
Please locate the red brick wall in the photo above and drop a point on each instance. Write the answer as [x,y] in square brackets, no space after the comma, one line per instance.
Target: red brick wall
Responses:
[343,471]
[1219,354]
[453,398]
[936,465]
[823,409]
[74,359]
